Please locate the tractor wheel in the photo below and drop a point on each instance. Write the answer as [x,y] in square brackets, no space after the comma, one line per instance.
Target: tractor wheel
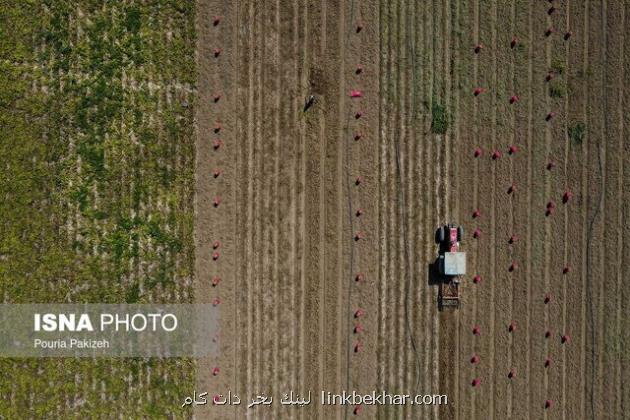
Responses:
[441,234]
[460,233]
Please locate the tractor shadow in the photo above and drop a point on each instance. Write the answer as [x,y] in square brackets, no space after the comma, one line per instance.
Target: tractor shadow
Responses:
[434,277]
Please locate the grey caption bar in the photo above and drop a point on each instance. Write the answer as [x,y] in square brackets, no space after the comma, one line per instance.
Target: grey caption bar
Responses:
[108,330]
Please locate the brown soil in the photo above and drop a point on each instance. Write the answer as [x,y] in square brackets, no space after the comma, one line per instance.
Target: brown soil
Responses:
[288,214]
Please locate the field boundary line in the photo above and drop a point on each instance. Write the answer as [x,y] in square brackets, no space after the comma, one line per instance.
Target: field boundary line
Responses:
[512,72]
[240,217]
[473,400]
[493,206]
[346,157]
[343,308]
[443,199]
[296,273]
[302,293]
[395,242]
[276,217]
[530,176]
[566,219]
[397,207]
[323,260]
[591,225]
[294,252]
[409,153]
[259,201]
[456,161]
[430,170]
[425,189]
[625,211]
[584,274]
[250,208]
[546,245]
[403,183]
[620,241]
[382,228]
[602,156]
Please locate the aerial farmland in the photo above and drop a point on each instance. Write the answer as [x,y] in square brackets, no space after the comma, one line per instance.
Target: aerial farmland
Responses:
[305,167]
[505,117]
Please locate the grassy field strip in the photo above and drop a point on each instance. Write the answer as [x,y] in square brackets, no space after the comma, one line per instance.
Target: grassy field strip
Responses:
[97,187]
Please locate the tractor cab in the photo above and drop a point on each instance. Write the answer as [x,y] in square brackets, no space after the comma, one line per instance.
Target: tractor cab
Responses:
[451,264]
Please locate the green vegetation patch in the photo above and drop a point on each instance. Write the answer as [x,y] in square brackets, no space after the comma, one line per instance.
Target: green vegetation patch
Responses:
[97,186]
[557,90]
[521,47]
[439,118]
[577,132]
[558,66]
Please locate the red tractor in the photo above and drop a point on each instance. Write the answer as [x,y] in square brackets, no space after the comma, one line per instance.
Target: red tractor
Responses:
[451,264]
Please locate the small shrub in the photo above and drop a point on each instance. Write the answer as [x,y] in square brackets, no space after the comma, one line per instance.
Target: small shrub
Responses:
[81,196]
[584,73]
[557,66]
[133,294]
[577,131]
[440,118]
[133,20]
[556,90]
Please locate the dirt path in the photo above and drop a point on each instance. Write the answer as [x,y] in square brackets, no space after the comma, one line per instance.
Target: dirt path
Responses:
[512,223]
[624,388]
[503,133]
[216,224]
[597,127]
[485,101]
[522,176]
[576,176]
[477,144]
[448,341]
[613,15]
[362,160]
[556,185]
[568,183]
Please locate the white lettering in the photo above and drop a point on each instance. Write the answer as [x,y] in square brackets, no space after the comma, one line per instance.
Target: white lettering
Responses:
[174,325]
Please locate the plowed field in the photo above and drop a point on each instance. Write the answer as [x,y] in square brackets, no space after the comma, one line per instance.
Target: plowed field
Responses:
[304,218]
